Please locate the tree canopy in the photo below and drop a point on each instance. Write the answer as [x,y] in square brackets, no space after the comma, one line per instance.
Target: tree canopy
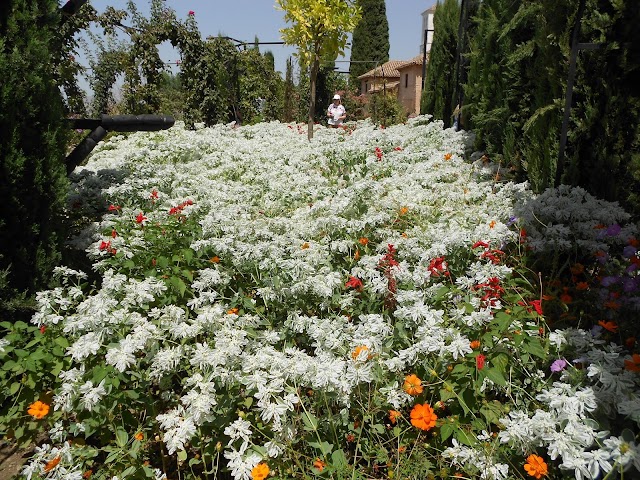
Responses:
[319,29]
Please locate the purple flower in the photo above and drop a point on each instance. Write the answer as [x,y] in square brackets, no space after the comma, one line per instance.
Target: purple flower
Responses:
[629,251]
[511,221]
[614,230]
[558,365]
[608,281]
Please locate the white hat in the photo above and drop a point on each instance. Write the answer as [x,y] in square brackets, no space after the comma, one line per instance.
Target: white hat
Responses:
[336,97]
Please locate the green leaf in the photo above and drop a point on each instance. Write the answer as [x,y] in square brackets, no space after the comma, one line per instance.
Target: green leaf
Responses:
[182,455]
[495,376]
[128,471]
[339,459]
[534,347]
[446,430]
[122,437]
[324,447]
[310,422]
[62,341]
[15,386]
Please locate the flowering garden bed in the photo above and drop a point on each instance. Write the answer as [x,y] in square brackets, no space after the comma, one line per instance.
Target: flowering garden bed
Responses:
[365,305]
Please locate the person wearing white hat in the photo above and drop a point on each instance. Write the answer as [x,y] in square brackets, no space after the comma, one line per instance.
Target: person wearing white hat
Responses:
[336,112]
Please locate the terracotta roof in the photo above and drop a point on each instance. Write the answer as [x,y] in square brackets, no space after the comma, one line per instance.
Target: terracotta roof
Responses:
[390,70]
[417,60]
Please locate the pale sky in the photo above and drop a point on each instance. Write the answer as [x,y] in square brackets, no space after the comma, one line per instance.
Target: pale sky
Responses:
[246,19]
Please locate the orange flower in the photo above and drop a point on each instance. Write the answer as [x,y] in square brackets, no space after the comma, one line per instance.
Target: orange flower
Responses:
[139,436]
[52,464]
[630,342]
[609,326]
[305,245]
[536,466]
[394,415]
[634,364]
[447,156]
[319,464]
[38,409]
[412,385]
[404,210]
[232,311]
[612,304]
[474,344]
[260,471]
[423,417]
[577,268]
[582,286]
[356,257]
[363,241]
[492,223]
[566,298]
[358,350]
[215,259]
[86,475]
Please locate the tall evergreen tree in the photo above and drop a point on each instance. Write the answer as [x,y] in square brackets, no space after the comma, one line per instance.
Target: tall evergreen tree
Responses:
[290,94]
[439,87]
[32,144]
[370,39]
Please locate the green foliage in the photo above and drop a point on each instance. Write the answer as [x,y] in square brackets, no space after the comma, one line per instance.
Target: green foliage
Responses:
[604,154]
[319,29]
[386,109]
[32,145]
[370,39]
[438,95]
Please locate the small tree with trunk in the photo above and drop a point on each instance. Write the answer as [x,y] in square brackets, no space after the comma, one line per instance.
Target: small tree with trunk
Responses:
[319,29]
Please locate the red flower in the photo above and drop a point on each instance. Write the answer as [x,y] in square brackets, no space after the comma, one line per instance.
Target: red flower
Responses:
[438,265]
[537,304]
[43,328]
[480,359]
[140,218]
[354,282]
[480,244]
[114,208]
[105,245]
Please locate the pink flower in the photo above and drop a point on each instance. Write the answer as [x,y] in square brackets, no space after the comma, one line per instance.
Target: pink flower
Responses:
[191,13]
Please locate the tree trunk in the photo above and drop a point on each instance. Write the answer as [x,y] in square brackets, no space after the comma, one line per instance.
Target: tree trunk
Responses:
[312,98]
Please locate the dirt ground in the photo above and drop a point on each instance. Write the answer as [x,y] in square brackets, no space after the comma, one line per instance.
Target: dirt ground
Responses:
[11,460]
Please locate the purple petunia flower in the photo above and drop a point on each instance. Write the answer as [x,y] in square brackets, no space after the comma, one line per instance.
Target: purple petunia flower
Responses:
[558,365]
[608,281]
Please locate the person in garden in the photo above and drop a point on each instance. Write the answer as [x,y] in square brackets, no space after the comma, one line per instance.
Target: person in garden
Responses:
[336,112]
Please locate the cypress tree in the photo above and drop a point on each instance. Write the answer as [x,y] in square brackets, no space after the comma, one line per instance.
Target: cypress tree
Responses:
[32,144]
[437,97]
[370,39]
[290,93]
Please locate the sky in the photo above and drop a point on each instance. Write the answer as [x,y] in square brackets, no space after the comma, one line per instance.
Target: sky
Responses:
[245,19]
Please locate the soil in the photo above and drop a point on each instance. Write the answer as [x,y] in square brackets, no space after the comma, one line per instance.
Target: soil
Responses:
[11,460]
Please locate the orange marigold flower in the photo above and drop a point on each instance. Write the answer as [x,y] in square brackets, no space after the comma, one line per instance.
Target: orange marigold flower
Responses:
[319,464]
[577,268]
[38,409]
[492,223]
[609,326]
[633,365]
[215,259]
[305,245]
[363,241]
[358,350]
[423,417]
[139,436]
[52,464]
[86,475]
[474,344]
[447,156]
[536,466]
[394,415]
[232,311]
[356,257]
[412,385]
[404,210]
[260,471]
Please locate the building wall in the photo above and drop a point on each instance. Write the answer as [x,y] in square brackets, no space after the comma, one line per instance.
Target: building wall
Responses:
[427,25]
[410,88]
